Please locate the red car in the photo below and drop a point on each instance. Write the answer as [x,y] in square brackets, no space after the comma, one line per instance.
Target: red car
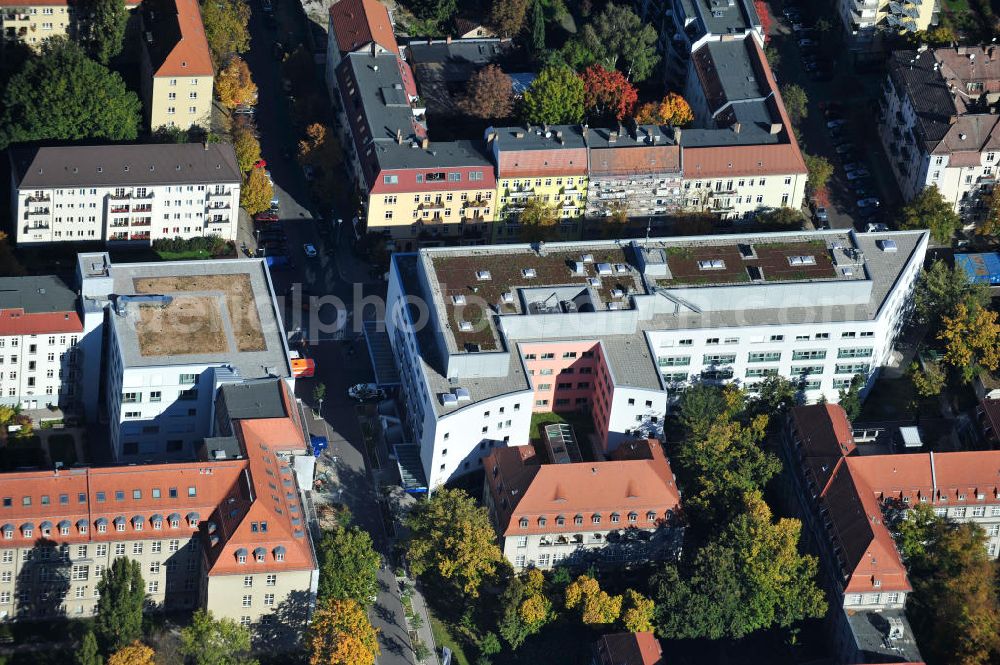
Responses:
[269,216]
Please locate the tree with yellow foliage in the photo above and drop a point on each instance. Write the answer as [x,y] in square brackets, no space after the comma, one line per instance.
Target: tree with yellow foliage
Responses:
[638,614]
[340,634]
[526,609]
[234,85]
[452,538]
[537,220]
[972,340]
[257,192]
[596,606]
[671,110]
[136,653]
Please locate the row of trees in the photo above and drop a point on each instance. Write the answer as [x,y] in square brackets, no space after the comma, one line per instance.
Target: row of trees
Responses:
[118,627]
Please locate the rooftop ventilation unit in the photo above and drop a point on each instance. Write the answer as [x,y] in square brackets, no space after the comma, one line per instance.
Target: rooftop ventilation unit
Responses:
[569,307]
[614,306]
[603,268]
[528,273]
[620,269]
[462,394]
[483,275]
[617,293]
[579,268]
[593,281]
[448,399]
[507,298]
[587,258]
[458,300]
[896,630]
[887,245]
[465,326]
[847,271]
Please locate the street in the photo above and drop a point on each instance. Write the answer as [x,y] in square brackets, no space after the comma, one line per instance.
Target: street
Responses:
[341,357]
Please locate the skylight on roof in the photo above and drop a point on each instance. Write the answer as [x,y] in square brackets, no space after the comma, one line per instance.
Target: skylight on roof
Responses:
[712,264]
[802,260]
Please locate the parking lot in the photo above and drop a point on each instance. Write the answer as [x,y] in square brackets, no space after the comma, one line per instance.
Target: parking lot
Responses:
[841,124]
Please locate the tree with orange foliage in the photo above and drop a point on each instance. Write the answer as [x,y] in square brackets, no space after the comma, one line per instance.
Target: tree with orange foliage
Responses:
[234,85]
[607,93]
[136,653]
[341,634]
[671,110]
[765,18]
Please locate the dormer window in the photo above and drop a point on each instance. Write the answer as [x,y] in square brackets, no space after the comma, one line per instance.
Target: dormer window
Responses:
[523,522]
[615,518]
[279,553]
[561,520]
[633,517]
[578,520]
[259,554]
[241,555]
[650,516]
[596,518]
[542,521]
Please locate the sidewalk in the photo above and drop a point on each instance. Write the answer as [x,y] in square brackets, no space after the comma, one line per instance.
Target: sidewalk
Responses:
[424,633]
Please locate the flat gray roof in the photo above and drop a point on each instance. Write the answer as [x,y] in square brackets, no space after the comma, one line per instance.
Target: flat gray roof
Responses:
[254,399]
[722,18]
[539,138]
[206,287]
[871,630]
[36,295]
[124,165]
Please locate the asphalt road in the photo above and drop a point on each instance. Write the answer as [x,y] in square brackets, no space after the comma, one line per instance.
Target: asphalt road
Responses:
[341,357]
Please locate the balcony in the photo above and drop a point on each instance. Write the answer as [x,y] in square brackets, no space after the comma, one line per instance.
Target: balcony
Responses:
[35,227]
[141,222]
[476,203]
[142,207]
[36,211]
[225,193]
[144,235]
[429,205]
[119,197]
[119,225]
[140,195]
[119,209]
[44,198]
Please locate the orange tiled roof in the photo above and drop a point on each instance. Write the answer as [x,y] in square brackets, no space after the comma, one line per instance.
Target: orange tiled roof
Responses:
[628,649]
[180,46]
[357,23]
[228,501]
[555,162]
[16,322]
[626,160]
[521,487]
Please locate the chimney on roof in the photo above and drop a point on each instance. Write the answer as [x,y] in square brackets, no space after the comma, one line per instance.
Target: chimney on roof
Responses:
[424,143]
[776,127]
[736,127]
[612,137]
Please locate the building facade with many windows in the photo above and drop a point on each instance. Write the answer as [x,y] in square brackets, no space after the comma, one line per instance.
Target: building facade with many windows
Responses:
[207,533]
[34,21]
[485,336]
[40,326]
[124,193]
[939,126]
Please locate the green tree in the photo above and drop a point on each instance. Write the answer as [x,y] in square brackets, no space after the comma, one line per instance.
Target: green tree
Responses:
[596,606]
[537,27]
[618,38]
[929,210]
[781,217]
[820,170]
[524,608]
[850,399]
[211,641]
[554,98]
[941,289]
[319,394]
[638,612]
[64,95]
[972,340]
[119,605]
[954,607]
[537,221]
[749,577]
[452,538]
[103,28]
[247,148]
[226,28]
[433,14]
[796,102]
[348,565]
[257,192]
[929,382]
[774,395]
[89,653]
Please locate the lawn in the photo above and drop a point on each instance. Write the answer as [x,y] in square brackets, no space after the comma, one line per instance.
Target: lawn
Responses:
[443,638]
[62,449]
[581,423]
[189,255]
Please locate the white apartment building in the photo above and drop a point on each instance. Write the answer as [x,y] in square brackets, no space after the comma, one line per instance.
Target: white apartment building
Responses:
[485,336]
[40,326]
[863,20]
[176,333]
[939,126]
[124,193]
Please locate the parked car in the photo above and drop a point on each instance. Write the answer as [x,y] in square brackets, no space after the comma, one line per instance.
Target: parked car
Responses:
[267,216]
[807,43]
[365,392]
[858,175]
[822,216]
[243,110]
[266,6]
[844,148]
[870,202]
[835,124]
[310,250]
